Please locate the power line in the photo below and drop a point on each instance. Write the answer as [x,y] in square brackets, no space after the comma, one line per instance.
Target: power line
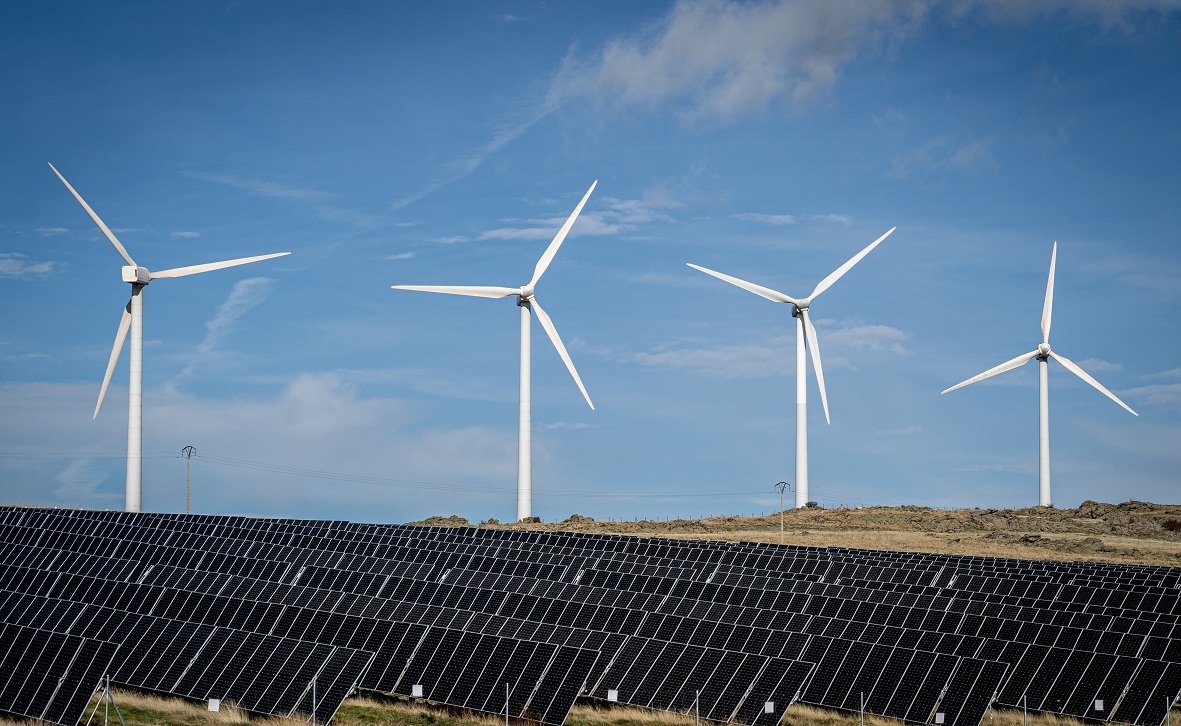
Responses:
[232,462]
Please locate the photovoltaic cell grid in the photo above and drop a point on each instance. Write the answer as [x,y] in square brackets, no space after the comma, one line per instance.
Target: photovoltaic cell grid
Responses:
[899,614]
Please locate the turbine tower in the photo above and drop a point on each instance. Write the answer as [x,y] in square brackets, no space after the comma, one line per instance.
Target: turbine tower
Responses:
[138,277]
[527,301]
[805,338]
[1043,354]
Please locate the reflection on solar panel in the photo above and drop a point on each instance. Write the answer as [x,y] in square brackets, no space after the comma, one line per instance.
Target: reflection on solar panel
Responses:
[255,610]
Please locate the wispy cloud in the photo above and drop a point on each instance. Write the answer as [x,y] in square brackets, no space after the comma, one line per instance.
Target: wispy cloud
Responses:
[263,188]
[867,337]
[772,357]
[756,360]
[245,296]
[451,239]
[14,264]
[836,218]
[612,217]
[945,154]
[51,231]
[321,203]
[185,235]
[460,168]
[775,220]
[400,256]
[904,431]
[1161,394]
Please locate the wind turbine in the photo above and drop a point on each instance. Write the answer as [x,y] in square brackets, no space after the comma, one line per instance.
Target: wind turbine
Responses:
[805,338]
[1043,354]
[138,277]
[526,300]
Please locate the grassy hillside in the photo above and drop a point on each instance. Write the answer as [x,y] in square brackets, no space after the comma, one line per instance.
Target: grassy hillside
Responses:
[1127,533]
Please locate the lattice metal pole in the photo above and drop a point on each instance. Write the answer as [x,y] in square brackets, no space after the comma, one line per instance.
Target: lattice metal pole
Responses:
[188,451]
[781,486]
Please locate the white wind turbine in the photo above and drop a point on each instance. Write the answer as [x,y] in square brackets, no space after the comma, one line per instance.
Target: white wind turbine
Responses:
[1043,354]
[805,338]
[138,277]
[526,300]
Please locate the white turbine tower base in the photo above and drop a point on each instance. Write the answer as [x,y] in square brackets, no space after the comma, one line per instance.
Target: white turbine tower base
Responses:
[527,300]
[806,344]
[132,319]
[1043,354]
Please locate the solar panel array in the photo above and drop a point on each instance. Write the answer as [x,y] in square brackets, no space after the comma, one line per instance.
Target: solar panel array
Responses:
[255,610]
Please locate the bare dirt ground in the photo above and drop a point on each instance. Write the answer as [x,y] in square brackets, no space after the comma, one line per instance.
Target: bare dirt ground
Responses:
[1128,533]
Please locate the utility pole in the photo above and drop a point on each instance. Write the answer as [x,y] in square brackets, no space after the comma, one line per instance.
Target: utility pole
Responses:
[781,486]
[188,452]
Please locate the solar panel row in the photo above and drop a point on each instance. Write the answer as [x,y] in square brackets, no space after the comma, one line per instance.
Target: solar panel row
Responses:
[910,632]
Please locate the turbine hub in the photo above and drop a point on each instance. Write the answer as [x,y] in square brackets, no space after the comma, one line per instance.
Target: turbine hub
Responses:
[526,292]
[799,307]
[1043,350]
[136,275]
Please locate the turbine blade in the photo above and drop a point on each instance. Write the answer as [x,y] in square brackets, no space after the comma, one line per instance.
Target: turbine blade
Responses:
[840,271]
[1073,368]
[470,291]
[124,324]
[548,256]
[814,349]
[552,332]
[105,230]
[772,295]
[1048,308]
[209,266]
[1006,366]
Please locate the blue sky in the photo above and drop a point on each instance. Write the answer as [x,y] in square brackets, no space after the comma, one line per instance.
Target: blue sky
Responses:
[386,143]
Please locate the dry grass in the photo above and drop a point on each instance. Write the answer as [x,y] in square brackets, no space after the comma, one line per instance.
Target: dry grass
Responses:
[142,709]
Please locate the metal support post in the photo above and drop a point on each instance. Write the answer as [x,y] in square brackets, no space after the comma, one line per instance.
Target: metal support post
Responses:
[863,708]
[506,697]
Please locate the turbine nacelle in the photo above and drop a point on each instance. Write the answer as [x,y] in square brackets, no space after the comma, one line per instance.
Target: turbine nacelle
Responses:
[136,275]
[526,293]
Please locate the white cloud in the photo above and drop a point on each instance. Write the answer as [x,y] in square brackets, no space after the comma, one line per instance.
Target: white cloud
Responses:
[556,425]
[80,481]
[400,256]
[51,231]
[1162,394]
[14,264]
[771,219]
[390,468]
[454,239]
[866,337]
[185,235]
[1096,365]
[723,59]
